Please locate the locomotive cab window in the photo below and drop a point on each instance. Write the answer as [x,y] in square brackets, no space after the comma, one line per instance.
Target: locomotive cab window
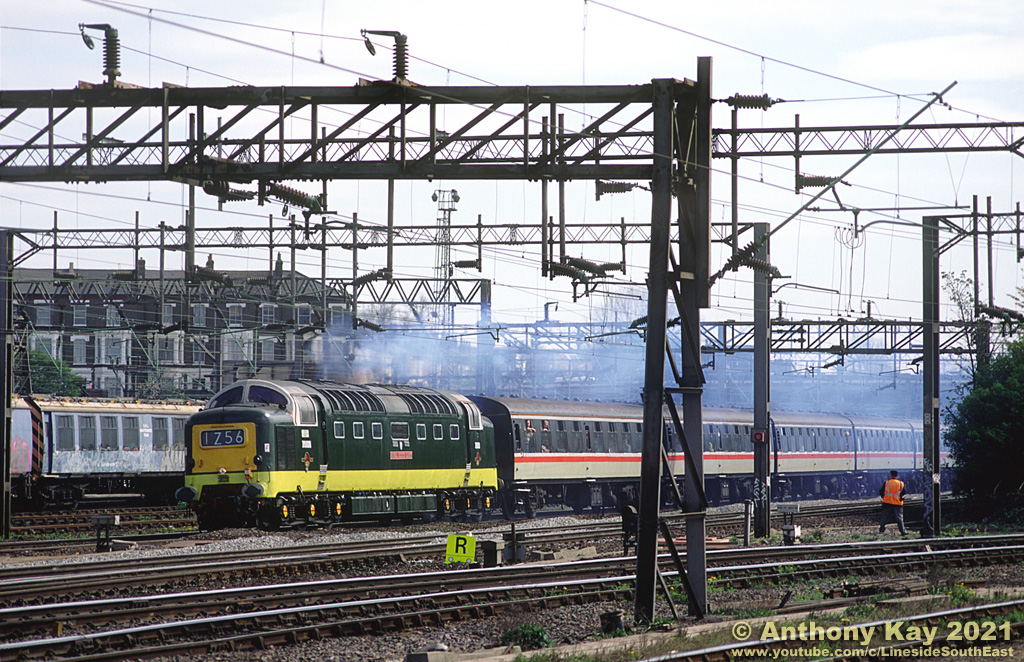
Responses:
[229,397]
[263,395]
[339,429]
[454,430]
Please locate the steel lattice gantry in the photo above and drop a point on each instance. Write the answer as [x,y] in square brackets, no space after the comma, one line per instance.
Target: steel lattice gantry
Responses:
[376,131]
[226,138]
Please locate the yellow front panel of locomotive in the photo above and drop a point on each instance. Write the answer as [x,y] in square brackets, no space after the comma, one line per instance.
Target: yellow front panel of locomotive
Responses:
[228,446]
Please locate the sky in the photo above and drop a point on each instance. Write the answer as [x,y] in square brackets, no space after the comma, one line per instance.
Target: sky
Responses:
[840,63]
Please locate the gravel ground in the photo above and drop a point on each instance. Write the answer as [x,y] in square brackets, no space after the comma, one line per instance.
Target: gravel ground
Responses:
[567,625]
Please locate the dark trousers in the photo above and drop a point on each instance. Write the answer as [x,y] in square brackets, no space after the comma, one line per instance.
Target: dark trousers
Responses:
[892,513]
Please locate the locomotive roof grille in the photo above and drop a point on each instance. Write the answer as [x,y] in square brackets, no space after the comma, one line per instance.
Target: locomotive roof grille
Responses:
[428,403]
[354,400]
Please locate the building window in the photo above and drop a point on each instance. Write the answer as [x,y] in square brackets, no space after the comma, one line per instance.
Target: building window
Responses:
[235,314]
[198,352]
[161,439]
[166,350]
[303,315]
[199,315]
[268,314]
[80,314]
[44,316]
[112,350]
[112,387]
[267,349]
[79,345]
[113,316]
[108,433]
[337,315]
[234,350]
[168,314]
[87,433]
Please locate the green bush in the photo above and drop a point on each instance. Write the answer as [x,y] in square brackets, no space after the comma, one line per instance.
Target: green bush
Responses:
[528,636]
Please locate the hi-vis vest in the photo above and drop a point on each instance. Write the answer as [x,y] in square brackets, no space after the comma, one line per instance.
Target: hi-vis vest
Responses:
[893,488]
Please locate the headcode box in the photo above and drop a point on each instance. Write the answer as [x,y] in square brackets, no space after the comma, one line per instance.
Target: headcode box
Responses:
[461,549]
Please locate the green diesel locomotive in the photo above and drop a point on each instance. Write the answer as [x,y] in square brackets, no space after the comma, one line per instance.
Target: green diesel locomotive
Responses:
[293,454]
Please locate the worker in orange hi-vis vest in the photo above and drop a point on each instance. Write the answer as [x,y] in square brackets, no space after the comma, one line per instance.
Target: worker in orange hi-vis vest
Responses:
[892,493]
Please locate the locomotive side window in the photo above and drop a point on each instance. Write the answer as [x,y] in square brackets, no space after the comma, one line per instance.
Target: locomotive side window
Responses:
[65,433]
[87,433]
[161,440]
[399,431]
[131,433]
[339,429]
[108,433]
[377,429]
[438,432]
[421,431]
[454,431]
[357,430]
[228,397]
[178,433]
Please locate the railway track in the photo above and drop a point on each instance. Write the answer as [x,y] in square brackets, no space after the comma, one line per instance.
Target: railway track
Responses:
[133,519]
[191,622]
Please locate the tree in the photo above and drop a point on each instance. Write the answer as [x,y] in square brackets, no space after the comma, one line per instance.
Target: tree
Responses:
[47,374]
[985,429]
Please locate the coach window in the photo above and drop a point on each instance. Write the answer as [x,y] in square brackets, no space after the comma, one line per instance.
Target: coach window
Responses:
[178,433]
[131,433]
[454,431]
[339,429]
[108,433]
[357,430]
[421,431]
[65,433]
[161,440]
[377,429]
[438,432]
[87,433]
[586,430]
[518,436]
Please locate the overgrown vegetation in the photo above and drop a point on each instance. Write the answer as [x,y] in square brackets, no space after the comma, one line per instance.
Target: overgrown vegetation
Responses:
[984,429]
[528,636]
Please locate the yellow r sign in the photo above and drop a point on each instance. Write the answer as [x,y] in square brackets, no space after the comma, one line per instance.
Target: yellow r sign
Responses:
[461,549]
